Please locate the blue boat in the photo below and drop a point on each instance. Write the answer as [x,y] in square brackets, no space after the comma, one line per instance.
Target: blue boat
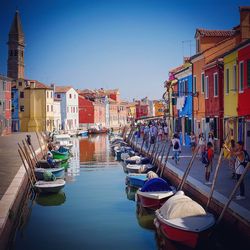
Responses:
[136,180]
[83,133]
[57,172]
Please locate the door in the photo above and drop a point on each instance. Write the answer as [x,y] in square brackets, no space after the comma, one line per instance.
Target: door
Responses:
[248,136]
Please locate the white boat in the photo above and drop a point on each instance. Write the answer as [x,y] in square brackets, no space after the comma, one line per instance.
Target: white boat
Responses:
[183,220]
[50,186]
[63,140]
[139,168]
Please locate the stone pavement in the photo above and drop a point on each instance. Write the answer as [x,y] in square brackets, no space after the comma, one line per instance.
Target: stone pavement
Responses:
[10,161]
[224,184]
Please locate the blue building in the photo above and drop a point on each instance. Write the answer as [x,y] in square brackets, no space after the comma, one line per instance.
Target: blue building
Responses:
[15,110]
[184,102]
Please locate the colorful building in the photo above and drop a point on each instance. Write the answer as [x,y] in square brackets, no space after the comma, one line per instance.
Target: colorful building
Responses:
[244,93]
[35,106]
[131,111]
[5,105]
[159,108]
[141,109]
[231,95]
[57,114]
[69,107]
[184,102]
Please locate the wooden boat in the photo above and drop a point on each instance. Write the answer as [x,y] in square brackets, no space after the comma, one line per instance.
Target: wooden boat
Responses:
[50,186]
[139,168]
[57,172]
[154,193]
[83,132]
[136,180]
[137,160]
[51,199]
[183,220]
[60,155]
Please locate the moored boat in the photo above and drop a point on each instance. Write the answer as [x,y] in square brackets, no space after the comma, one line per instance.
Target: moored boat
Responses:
[50,186]
[63,140]
[57,172]
[154,193]
[136,180]
[183,220]
[46,164]
[60,155]
[139,168]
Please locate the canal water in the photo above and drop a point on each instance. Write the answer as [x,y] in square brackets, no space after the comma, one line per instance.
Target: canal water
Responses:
[94,210]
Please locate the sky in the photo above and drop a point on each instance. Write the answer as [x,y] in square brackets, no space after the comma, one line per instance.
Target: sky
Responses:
[130,45]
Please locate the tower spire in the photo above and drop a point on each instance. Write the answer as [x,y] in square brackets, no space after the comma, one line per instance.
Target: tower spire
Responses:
[16,49]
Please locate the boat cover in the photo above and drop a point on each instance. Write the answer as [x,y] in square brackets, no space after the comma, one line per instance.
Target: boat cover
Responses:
[180,206]
[156,184]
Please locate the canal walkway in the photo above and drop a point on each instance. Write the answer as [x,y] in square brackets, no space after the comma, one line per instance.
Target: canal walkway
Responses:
[224,184]
[12,173]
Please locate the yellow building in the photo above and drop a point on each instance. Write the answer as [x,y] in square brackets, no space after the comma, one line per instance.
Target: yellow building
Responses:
[131,110]
[230,95]
[159,108]
[36,107]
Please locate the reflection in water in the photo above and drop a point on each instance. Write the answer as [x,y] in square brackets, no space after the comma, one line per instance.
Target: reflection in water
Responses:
[51,199]
[74,164]
[131,191]
[95,148]
[145,217]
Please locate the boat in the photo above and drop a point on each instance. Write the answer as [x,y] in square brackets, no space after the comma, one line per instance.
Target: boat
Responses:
[154,193]
[97,130]
[137,160]
[63,140]
[50,186]
[183,220]
[57,172]
[60,155]
[51,199]
[83,132]
[46,164]
[139,168]
[131,191]
[136,180]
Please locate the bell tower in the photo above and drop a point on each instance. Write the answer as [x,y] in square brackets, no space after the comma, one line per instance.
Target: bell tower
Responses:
[16,49]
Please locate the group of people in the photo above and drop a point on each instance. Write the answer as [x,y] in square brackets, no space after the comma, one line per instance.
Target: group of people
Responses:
[238,157]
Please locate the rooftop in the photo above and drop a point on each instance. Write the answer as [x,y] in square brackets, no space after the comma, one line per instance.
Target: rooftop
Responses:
[213,33]
[62,89]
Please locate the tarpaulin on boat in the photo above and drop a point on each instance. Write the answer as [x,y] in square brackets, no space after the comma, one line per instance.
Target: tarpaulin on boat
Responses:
[156,184]
[180,206]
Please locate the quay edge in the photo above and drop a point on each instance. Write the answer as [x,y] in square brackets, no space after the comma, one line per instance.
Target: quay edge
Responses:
[236,218]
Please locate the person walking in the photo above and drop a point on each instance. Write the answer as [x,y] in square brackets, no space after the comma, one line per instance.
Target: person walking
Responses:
[193,141]
[209,155]
[146,135]
[201,142]
[242,158]
[176,148]
[160,132]
[153,133]
[165,128]
[232,158]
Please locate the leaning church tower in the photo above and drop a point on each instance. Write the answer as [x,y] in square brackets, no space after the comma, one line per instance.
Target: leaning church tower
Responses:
[16,46]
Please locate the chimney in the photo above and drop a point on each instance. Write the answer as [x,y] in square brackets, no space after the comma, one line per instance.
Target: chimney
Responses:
[52,85]
[245,22]
[32,84]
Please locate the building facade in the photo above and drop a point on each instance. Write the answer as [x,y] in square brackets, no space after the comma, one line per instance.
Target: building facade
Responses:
[69,107]
[5,105]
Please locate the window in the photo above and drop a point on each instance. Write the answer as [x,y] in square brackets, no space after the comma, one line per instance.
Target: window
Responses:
[21,108]
[51,94]
[9,104]
[70,96]
[234,77]
[47,107]
[206,87]
[216,86]
[197,45]
[11,52]
[202,83]
[21,94]
[20,84]
[194,84]
[186,88]
[51,107]
[16,52]
[227,81]
[3,105]
[74,96]
[241,77]
[58,96]
[4,85]
[248,73]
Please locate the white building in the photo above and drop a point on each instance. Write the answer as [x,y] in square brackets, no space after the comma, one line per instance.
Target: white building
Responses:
[57,114]
[69,107]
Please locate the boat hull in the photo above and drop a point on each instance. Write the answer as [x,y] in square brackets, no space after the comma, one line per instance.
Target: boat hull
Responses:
[136,180]
[49,186]
[58,155]
[187,238]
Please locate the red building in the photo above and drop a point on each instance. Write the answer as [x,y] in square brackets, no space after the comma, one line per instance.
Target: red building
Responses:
[141,109]
[5,105]
[244,94]
[86,111]
[214,99]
